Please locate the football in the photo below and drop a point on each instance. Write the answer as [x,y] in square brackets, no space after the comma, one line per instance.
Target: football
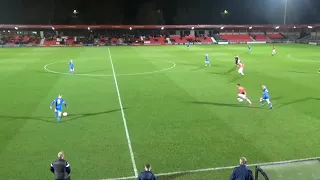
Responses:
[65,114]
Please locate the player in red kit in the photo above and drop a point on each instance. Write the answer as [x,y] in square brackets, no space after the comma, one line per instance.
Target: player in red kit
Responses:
[242,94]
[240,68]
[274,51]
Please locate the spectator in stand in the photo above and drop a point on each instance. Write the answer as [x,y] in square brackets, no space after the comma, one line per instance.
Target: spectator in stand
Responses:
[60,168]
[242,172]
[147,174]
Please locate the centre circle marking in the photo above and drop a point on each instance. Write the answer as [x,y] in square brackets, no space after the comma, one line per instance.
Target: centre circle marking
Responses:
[108,75]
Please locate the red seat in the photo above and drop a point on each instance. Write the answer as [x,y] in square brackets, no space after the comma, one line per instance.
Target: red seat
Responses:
[237,37]
[115,41]
[178,39]
[260,37]
[69,41]
[50,42]
[205,39]
[275,35]
[157,40]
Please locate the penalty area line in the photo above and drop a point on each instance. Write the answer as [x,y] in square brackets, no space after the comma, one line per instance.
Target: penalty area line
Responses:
[221,168]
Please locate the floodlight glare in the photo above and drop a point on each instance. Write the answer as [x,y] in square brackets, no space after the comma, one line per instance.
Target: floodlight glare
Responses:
[310,27]
[250,27]
[222,27]
[130,28]
[192,28]
[162,28]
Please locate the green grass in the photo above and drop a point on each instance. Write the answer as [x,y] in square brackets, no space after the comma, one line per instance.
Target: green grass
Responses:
[181,119]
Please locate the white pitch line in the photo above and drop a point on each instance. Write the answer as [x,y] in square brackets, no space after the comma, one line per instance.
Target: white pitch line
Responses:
[109,75]
[302,60]
[222,168]
[124,118]
[231,167]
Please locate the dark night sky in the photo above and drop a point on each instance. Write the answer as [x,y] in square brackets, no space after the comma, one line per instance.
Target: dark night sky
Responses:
[158,11]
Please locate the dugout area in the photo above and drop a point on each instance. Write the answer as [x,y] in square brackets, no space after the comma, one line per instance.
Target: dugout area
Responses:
[297,170]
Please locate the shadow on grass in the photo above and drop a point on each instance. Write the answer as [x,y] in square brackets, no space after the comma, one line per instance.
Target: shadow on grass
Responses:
[277,98]
[198,68]
[46,72]
[186,64]
[94,71]
[235,79]
[298,101]
[219,73]
[257,107]
[227,72]
[88,77]
[230,70]
[170,177]
[300,72]
[225,104]
[52,119]
[95,77]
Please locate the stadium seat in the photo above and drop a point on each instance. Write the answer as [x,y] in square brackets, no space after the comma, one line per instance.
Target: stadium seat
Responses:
[115,40]
[178,39]
[206,39]
[275,36]
[260,37]
[49,42]
[69,41]
[237,37]
[157,40]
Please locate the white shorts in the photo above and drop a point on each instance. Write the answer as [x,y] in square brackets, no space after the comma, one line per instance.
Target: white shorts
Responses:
[58,111]
[240,70]
[242,96]
[273,51]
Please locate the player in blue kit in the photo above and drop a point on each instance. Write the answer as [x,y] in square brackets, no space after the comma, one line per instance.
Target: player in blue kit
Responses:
[71,66]
[207,61]
[59,102]
[188,45]
[265,96]
[249,48]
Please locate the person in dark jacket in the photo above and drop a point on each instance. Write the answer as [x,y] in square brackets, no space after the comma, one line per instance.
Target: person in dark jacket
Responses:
[242,172]
[60,168]
[147,174]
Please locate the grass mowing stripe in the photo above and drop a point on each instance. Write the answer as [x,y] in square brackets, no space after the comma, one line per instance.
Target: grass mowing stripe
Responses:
[123,117]
[223,168]
[122,178]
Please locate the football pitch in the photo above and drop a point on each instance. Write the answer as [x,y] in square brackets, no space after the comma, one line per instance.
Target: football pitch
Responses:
[129,106]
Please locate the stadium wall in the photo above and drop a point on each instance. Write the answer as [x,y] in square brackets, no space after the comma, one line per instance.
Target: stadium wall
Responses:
[291,33]
[316,33]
